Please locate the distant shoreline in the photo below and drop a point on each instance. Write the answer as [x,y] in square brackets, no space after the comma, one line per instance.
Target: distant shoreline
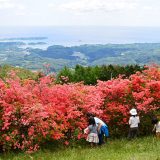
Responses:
[23,38]
[78,35]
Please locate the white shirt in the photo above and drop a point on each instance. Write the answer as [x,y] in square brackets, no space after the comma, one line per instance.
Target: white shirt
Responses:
[134,121]
[157,126]
[99,121]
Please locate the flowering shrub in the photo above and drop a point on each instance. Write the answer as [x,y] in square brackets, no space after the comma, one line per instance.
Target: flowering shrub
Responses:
[32,112]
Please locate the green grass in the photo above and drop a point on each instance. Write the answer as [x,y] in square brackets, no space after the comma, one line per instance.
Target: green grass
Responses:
[147,148]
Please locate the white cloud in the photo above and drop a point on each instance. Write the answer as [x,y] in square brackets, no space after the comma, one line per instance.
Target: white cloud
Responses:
[80,12]
[26,13]
[4,0]
[96,5]
[8,4]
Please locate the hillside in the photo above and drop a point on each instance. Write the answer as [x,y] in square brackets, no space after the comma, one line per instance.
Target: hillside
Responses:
[58,56]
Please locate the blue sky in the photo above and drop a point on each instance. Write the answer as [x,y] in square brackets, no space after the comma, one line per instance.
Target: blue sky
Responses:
[79,12]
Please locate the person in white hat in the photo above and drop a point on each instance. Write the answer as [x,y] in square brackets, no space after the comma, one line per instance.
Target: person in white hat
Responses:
[133,122]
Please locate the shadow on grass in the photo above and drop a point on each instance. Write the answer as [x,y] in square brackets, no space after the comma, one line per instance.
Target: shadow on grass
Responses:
[55,146]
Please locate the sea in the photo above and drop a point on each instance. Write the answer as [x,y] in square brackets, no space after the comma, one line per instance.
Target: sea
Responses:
[78,35]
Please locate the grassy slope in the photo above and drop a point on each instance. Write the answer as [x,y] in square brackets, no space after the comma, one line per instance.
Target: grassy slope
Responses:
[140,149]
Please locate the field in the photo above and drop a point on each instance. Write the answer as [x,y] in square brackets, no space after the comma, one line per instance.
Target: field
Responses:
[146,148]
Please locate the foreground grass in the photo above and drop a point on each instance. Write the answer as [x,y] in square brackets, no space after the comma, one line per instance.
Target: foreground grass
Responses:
[147,148]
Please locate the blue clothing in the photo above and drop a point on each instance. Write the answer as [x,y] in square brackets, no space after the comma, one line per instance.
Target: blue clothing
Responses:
[104,130]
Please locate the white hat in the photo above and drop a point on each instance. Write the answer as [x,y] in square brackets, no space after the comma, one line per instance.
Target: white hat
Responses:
[133,112]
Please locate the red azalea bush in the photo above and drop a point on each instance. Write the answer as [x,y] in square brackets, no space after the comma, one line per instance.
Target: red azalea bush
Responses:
[32,112]
[141,90]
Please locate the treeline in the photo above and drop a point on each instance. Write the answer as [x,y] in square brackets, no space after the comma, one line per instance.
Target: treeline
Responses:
[89,75]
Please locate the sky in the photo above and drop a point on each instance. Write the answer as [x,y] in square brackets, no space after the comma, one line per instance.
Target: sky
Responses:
[80,12]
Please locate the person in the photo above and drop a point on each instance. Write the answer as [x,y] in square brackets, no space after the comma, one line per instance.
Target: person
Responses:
[92,131]
[102,128]
[133,122]
[156,127]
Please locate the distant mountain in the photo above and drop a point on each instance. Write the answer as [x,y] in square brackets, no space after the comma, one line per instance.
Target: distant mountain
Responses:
[23,38]
[59,56]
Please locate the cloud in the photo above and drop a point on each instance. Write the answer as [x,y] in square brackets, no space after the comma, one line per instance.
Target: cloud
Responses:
[8,4]
[2,1]
[96,5]
[13,7]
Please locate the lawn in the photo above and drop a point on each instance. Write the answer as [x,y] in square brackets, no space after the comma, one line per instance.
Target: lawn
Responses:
[147,148]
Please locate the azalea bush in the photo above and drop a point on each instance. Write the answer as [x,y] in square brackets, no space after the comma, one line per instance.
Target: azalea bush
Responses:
[141,91]
[33,112]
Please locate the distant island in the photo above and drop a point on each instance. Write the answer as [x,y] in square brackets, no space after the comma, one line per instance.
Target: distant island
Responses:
[37,43]
[24,38]
[10,44]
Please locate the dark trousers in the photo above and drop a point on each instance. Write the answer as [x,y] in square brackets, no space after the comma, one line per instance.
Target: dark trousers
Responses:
[101,138]
[133,132]
[103,131]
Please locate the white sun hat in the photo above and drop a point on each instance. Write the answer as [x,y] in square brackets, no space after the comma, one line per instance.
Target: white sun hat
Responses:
[133,112]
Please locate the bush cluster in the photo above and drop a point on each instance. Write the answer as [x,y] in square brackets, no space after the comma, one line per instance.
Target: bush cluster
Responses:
[35,111]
